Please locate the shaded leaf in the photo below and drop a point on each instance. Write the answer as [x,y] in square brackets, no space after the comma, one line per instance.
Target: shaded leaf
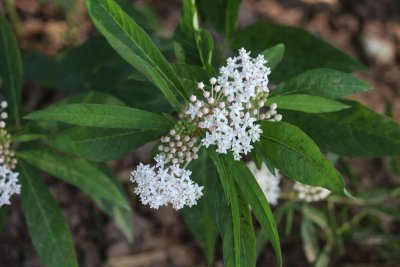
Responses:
[306,52]
[46,224]
[135,46]
[298,157]
[77,172]
[257,200]
[199,219]
[307,103]
[354,132]
[101,144]
[193,44]
[221,15]
[274,55]
[322,82]
[101,115]
[11,70]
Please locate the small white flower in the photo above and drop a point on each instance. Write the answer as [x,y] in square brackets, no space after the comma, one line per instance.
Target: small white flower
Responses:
[268,182]
[9,185]
[200,85]
[3,104]
[310,193]
[159,186]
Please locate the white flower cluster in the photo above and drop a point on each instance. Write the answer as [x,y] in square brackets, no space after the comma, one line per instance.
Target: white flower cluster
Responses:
[310,193]
[8,179]
[228,112]
[160,185]
[8,185]
[268,182]
[233,105]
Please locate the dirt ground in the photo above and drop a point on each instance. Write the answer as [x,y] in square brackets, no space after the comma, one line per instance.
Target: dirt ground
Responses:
[355,26]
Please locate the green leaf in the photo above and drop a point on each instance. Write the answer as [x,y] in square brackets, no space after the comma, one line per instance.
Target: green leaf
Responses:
[221,14]
[322,82]
[228,221]
[142,14]
[274,55]
[46,224]
[325,256]
[193,45]
[257,200]
[303,50]
[121,216]
[92,97]
[101,144]
[354,132]
[11,70]
[298,157]
[309,238]
[77,172]
[247,237]
[93,65]
[136,47]
[104,116]
[228,213]
[307,103]
[199,219]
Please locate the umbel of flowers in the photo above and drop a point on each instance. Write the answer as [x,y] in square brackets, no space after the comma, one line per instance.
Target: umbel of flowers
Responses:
[9,184]
[224,115]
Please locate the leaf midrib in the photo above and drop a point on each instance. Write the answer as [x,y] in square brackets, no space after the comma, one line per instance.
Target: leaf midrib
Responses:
[143,52]
[46,222]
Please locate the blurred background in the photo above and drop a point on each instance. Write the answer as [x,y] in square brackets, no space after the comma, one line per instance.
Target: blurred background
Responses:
[368,30]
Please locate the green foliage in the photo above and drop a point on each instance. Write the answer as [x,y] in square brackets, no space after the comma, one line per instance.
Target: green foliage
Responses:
[46,224]
[94,180]
[135,46]
[101,144]
[121,84]
[355,132]
[221,15]
[274,55]
[305,53]
[252,194]
[200,218]
[11,70]
[258,202]
[297,156]
[104,116]
[193,45]
[307,103]
[77,172]
[322,82]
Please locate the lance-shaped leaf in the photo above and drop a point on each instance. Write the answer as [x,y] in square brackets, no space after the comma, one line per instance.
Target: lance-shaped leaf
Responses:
[307,103]
[193,45]
[77,172]
[322,82]
[307,52]
[101,144]
[228,213]
[121,216]
[199,219]
[354,132]
[274,55]
[10,69]
[46,224]
[104,116]
[135,46]
[221,14]
[257,200]
[298,157]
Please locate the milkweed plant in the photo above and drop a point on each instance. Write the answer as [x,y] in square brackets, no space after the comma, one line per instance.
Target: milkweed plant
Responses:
[239,119]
